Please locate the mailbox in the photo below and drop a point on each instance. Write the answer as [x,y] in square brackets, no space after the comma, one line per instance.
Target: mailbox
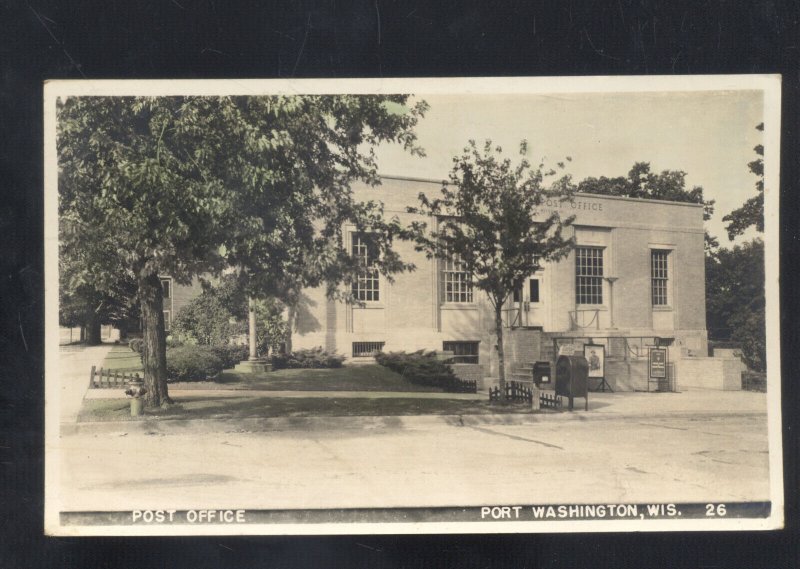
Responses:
[572,378]
[542,373]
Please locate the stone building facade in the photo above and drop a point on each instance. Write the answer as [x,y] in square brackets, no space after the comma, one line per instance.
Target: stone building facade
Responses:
[636,279]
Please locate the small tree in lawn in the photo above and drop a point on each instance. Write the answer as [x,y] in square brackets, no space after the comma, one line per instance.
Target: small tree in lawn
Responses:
[489,219]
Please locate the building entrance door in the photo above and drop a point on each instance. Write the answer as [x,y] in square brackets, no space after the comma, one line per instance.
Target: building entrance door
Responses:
[528,303]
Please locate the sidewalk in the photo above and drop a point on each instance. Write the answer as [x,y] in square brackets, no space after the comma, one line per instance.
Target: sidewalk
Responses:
[622,403]
[602,407]
[178,394]
[75,364]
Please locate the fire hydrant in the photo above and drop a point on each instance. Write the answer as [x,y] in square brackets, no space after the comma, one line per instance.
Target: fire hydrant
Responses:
[135,391]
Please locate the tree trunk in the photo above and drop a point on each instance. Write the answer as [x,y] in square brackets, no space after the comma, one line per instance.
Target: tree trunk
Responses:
[154,353]
[93,331]
[498,328]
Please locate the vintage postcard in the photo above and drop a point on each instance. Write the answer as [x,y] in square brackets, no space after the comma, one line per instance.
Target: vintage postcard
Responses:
[484,305]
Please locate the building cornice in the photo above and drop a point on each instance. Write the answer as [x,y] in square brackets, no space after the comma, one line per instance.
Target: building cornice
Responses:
[578,194]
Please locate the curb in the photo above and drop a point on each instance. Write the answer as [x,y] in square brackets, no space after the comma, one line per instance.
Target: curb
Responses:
[258,424]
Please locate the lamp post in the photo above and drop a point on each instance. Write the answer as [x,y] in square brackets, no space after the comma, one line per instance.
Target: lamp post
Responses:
[611,281]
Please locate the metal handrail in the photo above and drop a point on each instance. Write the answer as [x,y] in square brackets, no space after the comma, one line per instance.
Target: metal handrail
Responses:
[573,316]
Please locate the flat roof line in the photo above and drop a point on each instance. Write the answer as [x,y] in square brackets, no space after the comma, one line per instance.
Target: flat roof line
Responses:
[600,196]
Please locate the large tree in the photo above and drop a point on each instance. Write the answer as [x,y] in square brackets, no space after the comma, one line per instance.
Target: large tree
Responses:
[751,213]
[186,186]
[82,304]
[735,278]
[735,300]
[489,221]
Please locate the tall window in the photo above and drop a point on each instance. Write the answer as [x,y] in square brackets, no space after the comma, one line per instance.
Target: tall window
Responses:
[588,275]
[659,276]
[457,280]
[166,284]
[367,284]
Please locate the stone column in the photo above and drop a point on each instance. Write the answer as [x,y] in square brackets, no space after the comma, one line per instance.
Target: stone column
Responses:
[251,320]
[611,281]
[253,364]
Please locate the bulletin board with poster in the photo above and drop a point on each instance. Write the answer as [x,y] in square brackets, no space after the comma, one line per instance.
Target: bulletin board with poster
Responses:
[596,356]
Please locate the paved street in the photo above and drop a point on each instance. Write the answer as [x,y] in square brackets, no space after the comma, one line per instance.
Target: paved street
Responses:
[689,457]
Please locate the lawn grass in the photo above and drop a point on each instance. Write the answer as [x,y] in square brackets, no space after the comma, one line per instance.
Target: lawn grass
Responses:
[270,407]
[122,358]
[371,377]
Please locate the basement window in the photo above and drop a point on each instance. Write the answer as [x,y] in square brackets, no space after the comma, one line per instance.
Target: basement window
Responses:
[367,349]
[463,352]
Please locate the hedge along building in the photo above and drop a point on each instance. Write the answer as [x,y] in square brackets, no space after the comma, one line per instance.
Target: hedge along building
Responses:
[635,279]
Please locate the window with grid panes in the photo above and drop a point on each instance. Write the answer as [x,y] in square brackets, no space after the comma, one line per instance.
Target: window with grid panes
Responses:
[456,280]
[367,284]
[588,275]
[659,276]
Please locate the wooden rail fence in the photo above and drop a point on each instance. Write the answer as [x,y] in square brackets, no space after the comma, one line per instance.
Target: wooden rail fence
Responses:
[516,391]
[106,378]
[550,401]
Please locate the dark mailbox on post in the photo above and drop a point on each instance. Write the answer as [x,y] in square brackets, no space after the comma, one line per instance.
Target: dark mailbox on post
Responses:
[542,373]
[572,378]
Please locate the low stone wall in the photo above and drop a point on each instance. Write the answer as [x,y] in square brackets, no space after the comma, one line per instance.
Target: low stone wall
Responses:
[622,375]
[709,373]
[731,353]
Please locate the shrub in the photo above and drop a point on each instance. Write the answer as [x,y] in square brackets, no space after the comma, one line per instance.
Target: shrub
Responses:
[313,358]
[205,320]
[421,368]
[192,363]
[136,344]
[230,354]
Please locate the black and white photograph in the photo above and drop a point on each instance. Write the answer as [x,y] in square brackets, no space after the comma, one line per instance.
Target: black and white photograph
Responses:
[365,306]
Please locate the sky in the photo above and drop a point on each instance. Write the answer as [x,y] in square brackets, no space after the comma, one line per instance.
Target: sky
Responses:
[708,135]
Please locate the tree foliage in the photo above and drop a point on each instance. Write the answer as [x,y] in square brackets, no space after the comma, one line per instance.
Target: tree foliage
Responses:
[735,299]
[82,305]
[186,186]
[751,213]
[489,218]
[642,183]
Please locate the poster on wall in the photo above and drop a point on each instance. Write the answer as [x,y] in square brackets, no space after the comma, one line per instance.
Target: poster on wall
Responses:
[658,363]
[596,356]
